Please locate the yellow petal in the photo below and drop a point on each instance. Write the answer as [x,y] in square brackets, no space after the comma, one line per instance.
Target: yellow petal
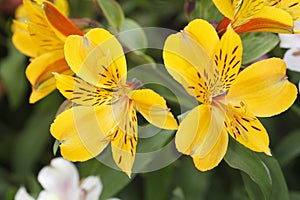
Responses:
[246,129]
[81,92]
[62,6]
[214,157]
[189,64]
[225,7]
[204,33]
[23,41]
[264,88]
[97,58]
[34,11]
[154,108]
[61,25]
[81,131]
[269,19]
[124,139]
[200,130]
[245,10]
[39,73]
[228,56]
[291,6]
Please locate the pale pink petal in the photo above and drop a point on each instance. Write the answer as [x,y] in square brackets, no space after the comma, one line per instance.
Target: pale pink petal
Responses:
[91,188]
[289,40]
[60,178]
[292,59]
[46,195]
[23,195]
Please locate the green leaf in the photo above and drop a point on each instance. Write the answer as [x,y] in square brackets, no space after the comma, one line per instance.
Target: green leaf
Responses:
[251,187]
[112,12]
[158,181]
[132,35]
[279,186]
[256,45]
[241,158]
[288,149]
[32,141]
[113,180]
[55,147]
[12,72]
[205,9]
[193,183]
[294,195]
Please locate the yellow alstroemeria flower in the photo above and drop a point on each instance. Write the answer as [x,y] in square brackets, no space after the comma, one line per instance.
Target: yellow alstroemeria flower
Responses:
[258,15]
[42,38]
[208,68]
[106,103]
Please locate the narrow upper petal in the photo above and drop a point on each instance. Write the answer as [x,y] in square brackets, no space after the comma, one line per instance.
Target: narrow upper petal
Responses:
[214,157]
[246,129]
[228,56]
[60,178]
[82,92]
[264,88]
[154,108]
[97,57]
[39,73]
[83,131]
[225,7]
[200,130]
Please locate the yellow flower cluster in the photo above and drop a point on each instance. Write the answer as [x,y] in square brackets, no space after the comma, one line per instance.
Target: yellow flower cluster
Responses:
[205,61]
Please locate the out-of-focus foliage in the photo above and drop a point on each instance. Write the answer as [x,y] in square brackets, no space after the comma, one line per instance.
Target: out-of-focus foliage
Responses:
[26,144]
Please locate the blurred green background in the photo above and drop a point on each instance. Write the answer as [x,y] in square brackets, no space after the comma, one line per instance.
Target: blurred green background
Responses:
[26,144]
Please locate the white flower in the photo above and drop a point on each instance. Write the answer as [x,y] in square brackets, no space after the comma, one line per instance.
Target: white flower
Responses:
[292,42]
[60,181]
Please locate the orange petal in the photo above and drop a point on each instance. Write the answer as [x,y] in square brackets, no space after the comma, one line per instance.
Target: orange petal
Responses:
[63,26]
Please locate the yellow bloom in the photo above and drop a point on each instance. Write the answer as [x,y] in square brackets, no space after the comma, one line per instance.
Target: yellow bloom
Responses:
[106,103]
[41,36]
[208,69]
[258,15]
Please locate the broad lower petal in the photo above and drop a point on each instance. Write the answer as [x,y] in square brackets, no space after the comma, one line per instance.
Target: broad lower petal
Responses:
[214,157]
[244,127]
[60,178]
[154,108]
[83,131]
[97,57]
[264,88]
[200,130]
